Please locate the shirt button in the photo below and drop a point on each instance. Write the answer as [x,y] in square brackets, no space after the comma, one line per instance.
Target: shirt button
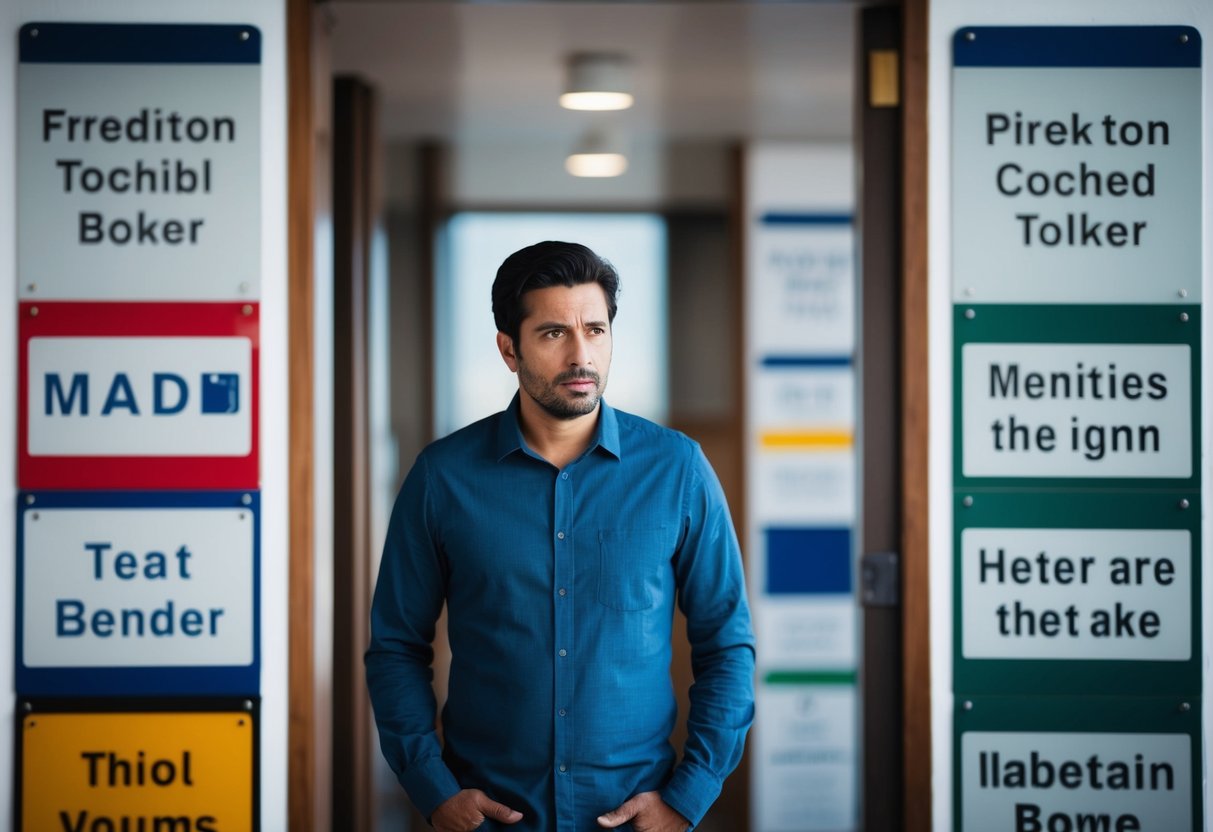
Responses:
[563,652]
[565,475]
[560,535]
[563,592]
[562,712]
[562,767]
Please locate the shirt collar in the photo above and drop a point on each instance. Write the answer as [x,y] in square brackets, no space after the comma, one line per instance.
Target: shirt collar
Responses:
[509,431]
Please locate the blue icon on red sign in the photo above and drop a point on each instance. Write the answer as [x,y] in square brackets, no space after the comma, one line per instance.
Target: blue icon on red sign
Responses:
[220,393]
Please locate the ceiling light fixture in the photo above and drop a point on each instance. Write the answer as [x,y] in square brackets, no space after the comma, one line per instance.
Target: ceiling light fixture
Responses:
[597,81]
[599,154]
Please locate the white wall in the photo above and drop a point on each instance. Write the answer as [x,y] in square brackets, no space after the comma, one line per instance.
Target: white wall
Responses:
[269,17]
[946,16]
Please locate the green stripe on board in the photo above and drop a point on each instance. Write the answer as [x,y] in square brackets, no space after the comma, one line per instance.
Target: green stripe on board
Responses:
[810,677]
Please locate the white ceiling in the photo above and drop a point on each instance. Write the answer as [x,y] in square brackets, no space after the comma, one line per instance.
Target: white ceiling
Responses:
[469,72]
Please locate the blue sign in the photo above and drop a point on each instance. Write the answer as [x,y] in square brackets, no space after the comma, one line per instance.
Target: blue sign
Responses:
[138,593]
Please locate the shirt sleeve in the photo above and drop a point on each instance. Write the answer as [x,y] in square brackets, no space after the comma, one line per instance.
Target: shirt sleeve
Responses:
[712,595]
[408,600]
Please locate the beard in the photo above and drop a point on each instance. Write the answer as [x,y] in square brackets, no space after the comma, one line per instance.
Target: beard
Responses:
[563,404]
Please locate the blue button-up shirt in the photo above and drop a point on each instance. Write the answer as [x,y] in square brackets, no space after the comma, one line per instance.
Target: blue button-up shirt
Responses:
[561,587]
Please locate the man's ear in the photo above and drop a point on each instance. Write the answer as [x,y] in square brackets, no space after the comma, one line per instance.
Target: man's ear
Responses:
[505,345]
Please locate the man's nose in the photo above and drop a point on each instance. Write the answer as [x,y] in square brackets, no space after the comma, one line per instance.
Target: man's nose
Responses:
[579,350]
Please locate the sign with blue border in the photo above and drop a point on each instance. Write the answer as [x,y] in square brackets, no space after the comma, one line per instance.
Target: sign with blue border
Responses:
[1076,159]
[139,162]
[138,593]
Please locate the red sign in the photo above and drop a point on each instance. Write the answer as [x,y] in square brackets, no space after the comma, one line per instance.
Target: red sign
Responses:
[137,395]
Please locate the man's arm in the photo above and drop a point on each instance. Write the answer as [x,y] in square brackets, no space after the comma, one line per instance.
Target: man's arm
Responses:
[711,593]
[408,599]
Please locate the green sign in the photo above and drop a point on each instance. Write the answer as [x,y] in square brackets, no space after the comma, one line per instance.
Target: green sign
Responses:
[1075,592]
[1035,763]
[1076,396]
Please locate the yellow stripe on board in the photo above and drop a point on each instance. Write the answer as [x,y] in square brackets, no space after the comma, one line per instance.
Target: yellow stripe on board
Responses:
[807,440]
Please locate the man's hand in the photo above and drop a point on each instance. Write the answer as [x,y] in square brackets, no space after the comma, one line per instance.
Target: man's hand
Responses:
[648,813]
[468,809]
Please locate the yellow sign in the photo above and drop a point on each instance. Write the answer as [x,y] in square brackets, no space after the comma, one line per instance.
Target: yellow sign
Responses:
[168,772]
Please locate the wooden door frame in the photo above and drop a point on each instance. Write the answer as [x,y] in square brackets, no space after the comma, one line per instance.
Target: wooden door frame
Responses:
[915,551]
[915,543]
[301,207]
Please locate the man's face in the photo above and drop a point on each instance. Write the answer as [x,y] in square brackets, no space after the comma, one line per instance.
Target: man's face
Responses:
[563,352]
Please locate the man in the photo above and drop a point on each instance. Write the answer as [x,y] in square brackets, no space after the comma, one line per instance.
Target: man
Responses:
[559,534]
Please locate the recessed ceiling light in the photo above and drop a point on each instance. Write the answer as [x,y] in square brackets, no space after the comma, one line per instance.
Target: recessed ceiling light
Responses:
[597,81]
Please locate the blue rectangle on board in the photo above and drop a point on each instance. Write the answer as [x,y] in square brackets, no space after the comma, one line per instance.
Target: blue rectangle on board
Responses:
[1076,46]
[806,361]
[106,558]
[814,561]
[804,218]
[140,43]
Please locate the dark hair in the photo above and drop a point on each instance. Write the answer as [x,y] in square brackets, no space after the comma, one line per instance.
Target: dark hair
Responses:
[541,266]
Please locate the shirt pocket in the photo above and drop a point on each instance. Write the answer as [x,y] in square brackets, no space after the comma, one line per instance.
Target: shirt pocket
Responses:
[632,566]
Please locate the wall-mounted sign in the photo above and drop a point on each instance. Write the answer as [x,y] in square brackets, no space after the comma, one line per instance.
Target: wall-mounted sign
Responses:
[802,270]
[1102,763]
[1094,592]
[1076,156]
[146,769]
[137,592]
[804,742]
[1077,594]
[795,633]
[1077,410]
[139,162]
[1075,395]
[137,395]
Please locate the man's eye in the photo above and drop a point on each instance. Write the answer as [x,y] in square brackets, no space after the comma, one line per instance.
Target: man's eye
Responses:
[553,334]
[597,331]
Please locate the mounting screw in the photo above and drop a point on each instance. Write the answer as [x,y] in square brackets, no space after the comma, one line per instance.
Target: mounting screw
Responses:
[970,314]
[1183,317]
[247,499]
[1183,503]
[33,33]
[968,705]
[33,311]
[244,35]
[1183,38]
[248,704]
[1184,707]
[246,310]
[1183,293]
[970,36]
[967,502]
[29,499]
[27,706]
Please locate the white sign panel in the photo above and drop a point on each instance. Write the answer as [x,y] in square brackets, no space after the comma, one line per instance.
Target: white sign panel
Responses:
[804,745]
[1076,184]
[1116,594]
[138,587]
[801,289]
[139,181]
[1045,781]
[821,633]
[147,396]
[802,487]
[796,398]
[1077,410]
